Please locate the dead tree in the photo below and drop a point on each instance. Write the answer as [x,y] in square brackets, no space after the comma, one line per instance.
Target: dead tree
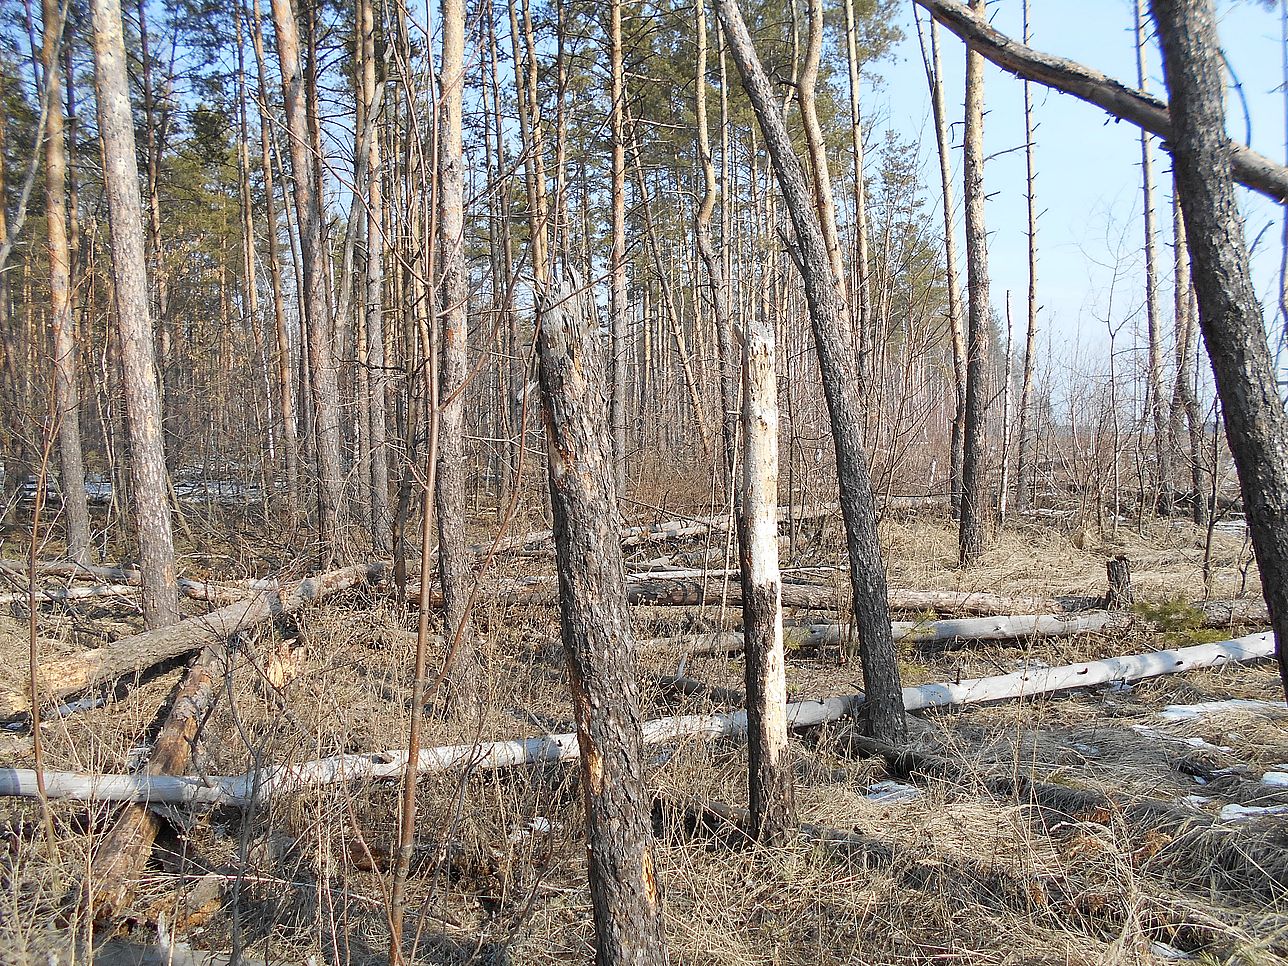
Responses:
[1249,168]
[148,475]
[596,631]
[1024,456]
[974,507]
[773,811]
[1256,425]
[71,477]
[828,315]
[617,256]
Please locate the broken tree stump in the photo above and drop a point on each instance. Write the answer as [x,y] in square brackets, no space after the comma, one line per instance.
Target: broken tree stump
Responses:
[1120,596]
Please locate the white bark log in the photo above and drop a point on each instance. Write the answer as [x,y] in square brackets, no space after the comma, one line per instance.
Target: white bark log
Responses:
[238,790]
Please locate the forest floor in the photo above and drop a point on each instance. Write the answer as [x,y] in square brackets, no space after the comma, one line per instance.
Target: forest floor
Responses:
[1186,860]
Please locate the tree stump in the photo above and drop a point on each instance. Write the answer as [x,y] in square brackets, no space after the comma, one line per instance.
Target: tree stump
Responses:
[1120,595]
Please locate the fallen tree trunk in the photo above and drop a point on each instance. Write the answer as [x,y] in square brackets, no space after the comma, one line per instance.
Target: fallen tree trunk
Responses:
[281,779]
[1250,169]
[1018,627]
[59,680]
[120,858]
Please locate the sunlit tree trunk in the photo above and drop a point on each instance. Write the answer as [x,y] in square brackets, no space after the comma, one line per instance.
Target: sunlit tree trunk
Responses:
[836,363]
[308,205]
[1256,425]
[859,270]
[974,507]
[142,399]
[66,370]
[455,563]
[1024,457]
[617,257]
[1185,406]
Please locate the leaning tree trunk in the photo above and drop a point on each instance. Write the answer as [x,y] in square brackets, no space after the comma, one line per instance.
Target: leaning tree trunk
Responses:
[1229,315]
[828,314]
[315,303]
[71,478]
[148,476]
[597,635]
[455,563]
[974,508]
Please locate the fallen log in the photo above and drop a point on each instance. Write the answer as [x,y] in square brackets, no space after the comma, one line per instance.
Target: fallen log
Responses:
[120,858]
[59,680]
[272,780]
[1015,627]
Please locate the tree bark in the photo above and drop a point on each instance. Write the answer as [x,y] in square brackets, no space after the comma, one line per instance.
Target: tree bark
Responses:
[71,478]
[455,563]
[974,508]
[859,270]
[148,474]
[597,635]
[1256,425]
[1024,492]
[314,300]
[771,799]
[828,315]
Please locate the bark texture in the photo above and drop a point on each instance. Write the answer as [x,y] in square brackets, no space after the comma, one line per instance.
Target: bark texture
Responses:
[597,636]
[828,315]
[148,477]
[1256,425]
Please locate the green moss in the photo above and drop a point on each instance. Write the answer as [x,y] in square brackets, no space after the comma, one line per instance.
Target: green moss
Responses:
[1171,615]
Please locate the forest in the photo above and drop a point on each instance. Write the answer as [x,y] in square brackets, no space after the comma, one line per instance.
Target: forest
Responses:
[537,481]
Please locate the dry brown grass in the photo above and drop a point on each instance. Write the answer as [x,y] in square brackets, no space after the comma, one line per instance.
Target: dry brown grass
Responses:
[500,874]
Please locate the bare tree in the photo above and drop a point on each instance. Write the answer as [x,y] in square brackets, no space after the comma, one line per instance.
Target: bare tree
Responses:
[314,300]
[148,475]
[455,563]
[1256,424]
[1024,454]
[597,636]
[71,482]
[974,507]
[828,315]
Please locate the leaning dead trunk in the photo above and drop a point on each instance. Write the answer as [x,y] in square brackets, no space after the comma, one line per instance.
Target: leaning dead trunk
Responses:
[148,475]
[1256,425]
[597,635]
[828,314]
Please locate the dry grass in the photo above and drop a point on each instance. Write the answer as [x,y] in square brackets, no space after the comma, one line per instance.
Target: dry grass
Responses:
[500,872]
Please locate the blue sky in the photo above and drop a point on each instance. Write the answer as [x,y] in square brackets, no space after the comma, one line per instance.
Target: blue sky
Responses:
[1088,167]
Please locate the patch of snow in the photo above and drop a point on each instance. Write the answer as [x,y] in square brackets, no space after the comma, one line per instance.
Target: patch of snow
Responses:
[891,793]
[1150,732]
[1194,800]
[1242,813]
[1120,687]
[1278,779]
[1170,953]
[1089,750]
[1193,712]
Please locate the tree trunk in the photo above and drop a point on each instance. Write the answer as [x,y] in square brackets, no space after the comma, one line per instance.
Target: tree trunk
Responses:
[836,363]
[974,509]
[455,563]
[1158,413]
[617,254]
[1024,493]
[375,289]
[773,810]
[1256,425]
[859,270]
[597,635]
[1184,405]
[71,478]
[934,77]
[822,179]
[713,265]
[148,474]
[315,303]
